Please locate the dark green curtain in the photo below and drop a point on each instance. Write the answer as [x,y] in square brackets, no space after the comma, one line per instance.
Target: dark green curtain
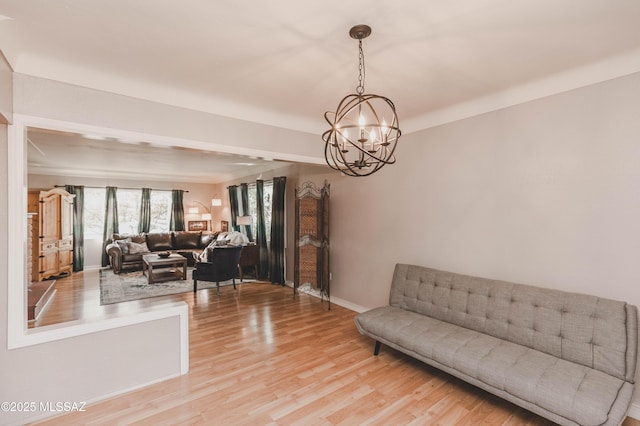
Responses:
[110,220]
[276,258]
[177,210]
[233,202]
[244,193]
[145,211]
[78,226]
[261,232]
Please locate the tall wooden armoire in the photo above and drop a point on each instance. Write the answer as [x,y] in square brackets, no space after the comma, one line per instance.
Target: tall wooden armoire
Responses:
[52,233]
[312,239]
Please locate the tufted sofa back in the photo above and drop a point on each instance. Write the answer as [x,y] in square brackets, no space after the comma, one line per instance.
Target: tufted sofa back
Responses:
[595,332]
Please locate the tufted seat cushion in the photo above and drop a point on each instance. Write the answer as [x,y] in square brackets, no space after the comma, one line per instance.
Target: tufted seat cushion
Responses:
[576,327]
[562,387]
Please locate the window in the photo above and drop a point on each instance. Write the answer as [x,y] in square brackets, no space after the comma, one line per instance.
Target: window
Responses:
[160,211]
[268,193]
[94,213]
[128,210]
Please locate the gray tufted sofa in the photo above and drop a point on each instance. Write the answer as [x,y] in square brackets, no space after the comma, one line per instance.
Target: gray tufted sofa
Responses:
[568,357]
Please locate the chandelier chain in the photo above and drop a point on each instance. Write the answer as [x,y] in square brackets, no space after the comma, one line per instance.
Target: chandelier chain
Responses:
[361,70]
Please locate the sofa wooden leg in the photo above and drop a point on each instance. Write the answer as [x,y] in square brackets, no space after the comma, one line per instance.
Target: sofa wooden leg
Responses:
[195,285]
[376,350]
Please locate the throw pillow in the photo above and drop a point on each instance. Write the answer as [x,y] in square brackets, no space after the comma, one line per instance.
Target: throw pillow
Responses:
[139,238]
[123,245]
[135,248]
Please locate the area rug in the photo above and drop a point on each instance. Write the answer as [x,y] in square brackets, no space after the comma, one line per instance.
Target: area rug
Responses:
[126,286]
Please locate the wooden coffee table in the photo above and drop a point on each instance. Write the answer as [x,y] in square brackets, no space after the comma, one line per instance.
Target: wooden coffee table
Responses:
[158,268]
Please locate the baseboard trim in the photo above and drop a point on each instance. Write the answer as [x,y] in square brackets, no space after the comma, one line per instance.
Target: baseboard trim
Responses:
[348,305]
[336,300]
[634,411]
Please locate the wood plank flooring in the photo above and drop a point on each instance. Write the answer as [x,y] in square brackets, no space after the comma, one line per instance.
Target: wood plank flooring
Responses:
[259,357]
[78,298]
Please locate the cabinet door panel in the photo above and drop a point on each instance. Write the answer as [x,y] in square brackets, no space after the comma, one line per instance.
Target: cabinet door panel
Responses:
[49,263]
[49,218]
[66,217]
[65,260]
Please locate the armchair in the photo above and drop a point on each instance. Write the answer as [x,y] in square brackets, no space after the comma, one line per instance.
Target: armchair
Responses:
[221,265]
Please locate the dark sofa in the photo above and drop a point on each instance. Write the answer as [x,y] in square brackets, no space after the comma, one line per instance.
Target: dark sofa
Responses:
[126,251]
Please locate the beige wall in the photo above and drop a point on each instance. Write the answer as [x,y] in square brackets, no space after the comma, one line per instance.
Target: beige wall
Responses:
[544,193]
[45,98]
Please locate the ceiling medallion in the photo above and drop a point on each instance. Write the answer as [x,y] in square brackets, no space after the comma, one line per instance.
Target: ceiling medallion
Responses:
[364,129]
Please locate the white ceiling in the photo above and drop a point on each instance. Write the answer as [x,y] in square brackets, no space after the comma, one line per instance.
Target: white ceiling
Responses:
[57,153]
[286,62]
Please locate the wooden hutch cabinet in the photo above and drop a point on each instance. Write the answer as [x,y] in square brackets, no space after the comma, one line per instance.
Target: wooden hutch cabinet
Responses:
[52,233]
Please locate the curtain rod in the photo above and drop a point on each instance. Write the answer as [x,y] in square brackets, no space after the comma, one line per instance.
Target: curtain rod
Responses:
[118,187]
[252,183]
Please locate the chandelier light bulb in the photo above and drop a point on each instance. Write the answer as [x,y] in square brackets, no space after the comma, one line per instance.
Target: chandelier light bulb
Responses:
[345,138]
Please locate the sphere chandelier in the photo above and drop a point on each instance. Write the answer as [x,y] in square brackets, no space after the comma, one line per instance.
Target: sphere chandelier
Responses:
[364,129]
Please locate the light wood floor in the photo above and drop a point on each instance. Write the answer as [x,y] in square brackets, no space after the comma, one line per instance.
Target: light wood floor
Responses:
[77,297]
[259,357]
